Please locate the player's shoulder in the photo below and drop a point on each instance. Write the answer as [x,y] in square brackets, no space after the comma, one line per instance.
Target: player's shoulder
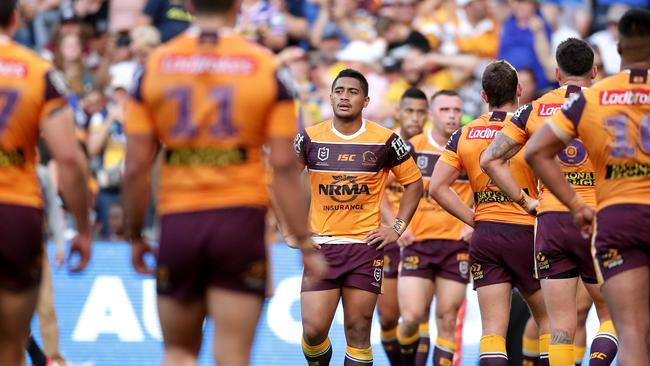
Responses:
[24,61]
[419,139]
[318,130]
[378,132]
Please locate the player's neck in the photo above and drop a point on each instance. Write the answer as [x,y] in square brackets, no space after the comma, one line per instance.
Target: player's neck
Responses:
[347,127]
[634,65]
[508,107]
[438,137]
[577,81]
[214,22]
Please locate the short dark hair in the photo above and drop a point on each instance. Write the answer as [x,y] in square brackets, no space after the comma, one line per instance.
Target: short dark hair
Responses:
[574,57]
[7,8]
[413,93]
[635,23]
[500,82]
[213,6]
[445,92]
[350,73]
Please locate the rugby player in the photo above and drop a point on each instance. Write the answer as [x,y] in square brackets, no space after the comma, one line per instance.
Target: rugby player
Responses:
[503,230]
[561,253]
[32,105]
[436,262]
[212,99]
[612,121]
[411,113]
[348,160]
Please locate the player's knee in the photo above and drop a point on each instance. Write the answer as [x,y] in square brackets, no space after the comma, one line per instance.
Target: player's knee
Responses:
[413,316]
[446,323]
[388,322]
[314,332]
[357,332]
[563,333]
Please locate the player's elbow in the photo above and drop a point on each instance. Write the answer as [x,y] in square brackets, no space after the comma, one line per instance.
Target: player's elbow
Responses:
[417,188]
[435,189]
[532,154]
[487,162]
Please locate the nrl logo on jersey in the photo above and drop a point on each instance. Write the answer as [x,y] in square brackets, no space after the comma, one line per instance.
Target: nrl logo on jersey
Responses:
[422,161]
[323,153]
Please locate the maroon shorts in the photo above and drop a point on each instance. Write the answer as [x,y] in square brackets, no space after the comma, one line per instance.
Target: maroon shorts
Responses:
[217,248]
[391,260]
[622,240]
[21,247]
[432,258]
[350,265]
[503,253]
[560,249]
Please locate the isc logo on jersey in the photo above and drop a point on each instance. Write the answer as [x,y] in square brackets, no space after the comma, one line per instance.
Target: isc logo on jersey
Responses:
[483,132]
[344,188]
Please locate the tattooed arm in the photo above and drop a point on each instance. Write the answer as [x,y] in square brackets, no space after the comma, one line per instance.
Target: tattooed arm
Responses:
[494,162]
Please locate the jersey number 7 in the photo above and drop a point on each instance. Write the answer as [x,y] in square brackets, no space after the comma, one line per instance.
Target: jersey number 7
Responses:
[8,100]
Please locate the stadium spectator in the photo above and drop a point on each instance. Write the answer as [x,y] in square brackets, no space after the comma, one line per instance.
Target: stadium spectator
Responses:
[69,58]
[606,40]
[263,22]
[169,16]
[351,21]
[525,41]
[123,15]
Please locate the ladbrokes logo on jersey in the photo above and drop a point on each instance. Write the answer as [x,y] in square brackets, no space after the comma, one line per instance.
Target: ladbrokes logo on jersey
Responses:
[547,110]
[625,97]
[483,132]
[344,188]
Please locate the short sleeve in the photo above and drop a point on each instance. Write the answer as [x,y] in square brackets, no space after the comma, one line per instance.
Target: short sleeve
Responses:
[406,172]
[152,9]
[516,127]
[398,151]
[300,144]
[568,119]
[138,117]
[283,118]
[450,155]
[55,94]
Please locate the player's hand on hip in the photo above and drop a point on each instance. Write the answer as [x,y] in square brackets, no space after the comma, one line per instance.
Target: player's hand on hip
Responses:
[81,245]
[406,239]
[139,248]
[466,233]
[584,219]
[382,236]
[528,203]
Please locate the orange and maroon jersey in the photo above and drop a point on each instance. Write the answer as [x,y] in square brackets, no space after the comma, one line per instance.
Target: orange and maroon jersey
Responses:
[613,121]
[347,175]
[463,152]
[212,100]
[30,90]
[577,167]
[430,220]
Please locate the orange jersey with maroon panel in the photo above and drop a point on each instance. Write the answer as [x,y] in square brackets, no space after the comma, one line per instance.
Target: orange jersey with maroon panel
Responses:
[613,121]
[348,174]
[29,91]
[578,169]
[430,220]
[212,100]
[463,152]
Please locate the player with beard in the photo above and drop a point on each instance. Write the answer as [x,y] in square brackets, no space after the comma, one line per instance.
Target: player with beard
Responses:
[503,229]
[411,114]
[435,249]
[348,161]
[612,119]
[562,254]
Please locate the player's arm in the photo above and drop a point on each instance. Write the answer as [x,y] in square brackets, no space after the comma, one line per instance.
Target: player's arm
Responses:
[407,174]
[444,175]
[59,133]
[541,151]
[141,147]
[494,163]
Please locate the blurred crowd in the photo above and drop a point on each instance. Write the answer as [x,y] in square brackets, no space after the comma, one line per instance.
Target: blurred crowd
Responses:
[431,44]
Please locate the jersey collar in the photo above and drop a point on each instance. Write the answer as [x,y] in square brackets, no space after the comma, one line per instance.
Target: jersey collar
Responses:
[433,142]
[354,135]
